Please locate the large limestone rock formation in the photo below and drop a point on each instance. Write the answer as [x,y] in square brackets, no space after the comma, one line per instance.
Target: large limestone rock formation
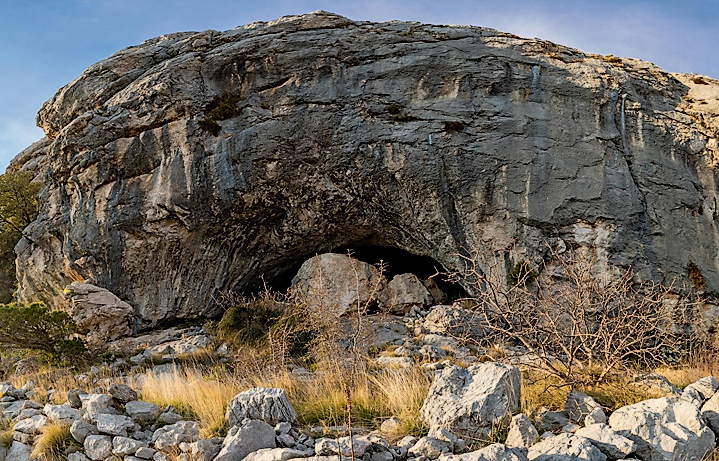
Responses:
[334,133]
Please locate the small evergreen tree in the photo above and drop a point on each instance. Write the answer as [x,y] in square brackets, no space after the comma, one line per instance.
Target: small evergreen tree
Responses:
[35,327]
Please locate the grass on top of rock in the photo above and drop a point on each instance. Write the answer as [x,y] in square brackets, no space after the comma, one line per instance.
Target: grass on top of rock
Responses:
[248,320]
[222,107]
[267,320]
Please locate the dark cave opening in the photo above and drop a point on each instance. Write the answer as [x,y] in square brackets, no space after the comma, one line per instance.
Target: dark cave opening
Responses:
[395,261]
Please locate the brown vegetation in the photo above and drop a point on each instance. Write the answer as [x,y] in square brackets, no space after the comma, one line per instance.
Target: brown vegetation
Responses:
[571,323]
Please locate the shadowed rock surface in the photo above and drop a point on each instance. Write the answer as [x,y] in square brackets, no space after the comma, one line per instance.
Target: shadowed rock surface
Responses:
[333,133]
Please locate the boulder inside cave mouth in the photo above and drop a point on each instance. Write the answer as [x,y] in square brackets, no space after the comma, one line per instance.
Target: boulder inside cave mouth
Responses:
[395,261]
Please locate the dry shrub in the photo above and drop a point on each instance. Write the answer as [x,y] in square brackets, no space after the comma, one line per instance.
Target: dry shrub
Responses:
[571,322]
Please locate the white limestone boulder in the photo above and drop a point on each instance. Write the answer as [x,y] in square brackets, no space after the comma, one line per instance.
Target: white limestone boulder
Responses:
[471,402]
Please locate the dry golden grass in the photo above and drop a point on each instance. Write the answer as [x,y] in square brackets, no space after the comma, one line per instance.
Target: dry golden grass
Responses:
[319,399]
[404,392]
[6,433]
[58,378]
[541,391]
[615,393]
[192,395]
[697,366]
[52,443]
[549,391]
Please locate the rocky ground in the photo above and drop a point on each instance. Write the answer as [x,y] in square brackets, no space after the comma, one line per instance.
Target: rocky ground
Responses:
[472,411]
[463,405]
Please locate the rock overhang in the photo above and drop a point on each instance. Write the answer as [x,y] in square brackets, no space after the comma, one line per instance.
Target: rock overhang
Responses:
[430,139]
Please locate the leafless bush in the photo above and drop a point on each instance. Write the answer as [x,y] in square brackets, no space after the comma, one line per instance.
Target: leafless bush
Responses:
[337,339]
[574,321]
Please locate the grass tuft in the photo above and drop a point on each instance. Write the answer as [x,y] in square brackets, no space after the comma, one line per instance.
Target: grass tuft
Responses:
[53,442]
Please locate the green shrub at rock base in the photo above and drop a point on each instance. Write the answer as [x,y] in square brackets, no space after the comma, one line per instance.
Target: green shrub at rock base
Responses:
[249,320]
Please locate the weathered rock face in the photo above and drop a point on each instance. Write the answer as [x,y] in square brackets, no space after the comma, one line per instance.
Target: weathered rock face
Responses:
[336,136]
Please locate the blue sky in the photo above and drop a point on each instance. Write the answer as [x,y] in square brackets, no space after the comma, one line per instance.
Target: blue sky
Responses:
[44,44]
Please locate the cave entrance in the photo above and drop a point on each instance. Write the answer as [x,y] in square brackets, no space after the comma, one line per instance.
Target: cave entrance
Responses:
[397,261]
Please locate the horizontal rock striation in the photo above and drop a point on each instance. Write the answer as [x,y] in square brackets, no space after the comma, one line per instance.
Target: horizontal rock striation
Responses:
[437,140]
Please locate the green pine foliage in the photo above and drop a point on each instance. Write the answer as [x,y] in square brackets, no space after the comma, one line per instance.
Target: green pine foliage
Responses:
[35,327]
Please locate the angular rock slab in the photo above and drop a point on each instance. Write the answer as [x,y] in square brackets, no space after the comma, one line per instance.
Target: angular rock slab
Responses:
[242,440]
[275,454]
[522,433]
[174,434]
[403,292]
[565,447]
[142,412]
[494,452]
[61,414]
[101,315]
[612,444]
[265,404]
[579,405]
[664,429]
[471,402]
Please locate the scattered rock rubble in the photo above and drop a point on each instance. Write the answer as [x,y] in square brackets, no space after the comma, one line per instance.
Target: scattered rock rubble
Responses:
[463,405]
